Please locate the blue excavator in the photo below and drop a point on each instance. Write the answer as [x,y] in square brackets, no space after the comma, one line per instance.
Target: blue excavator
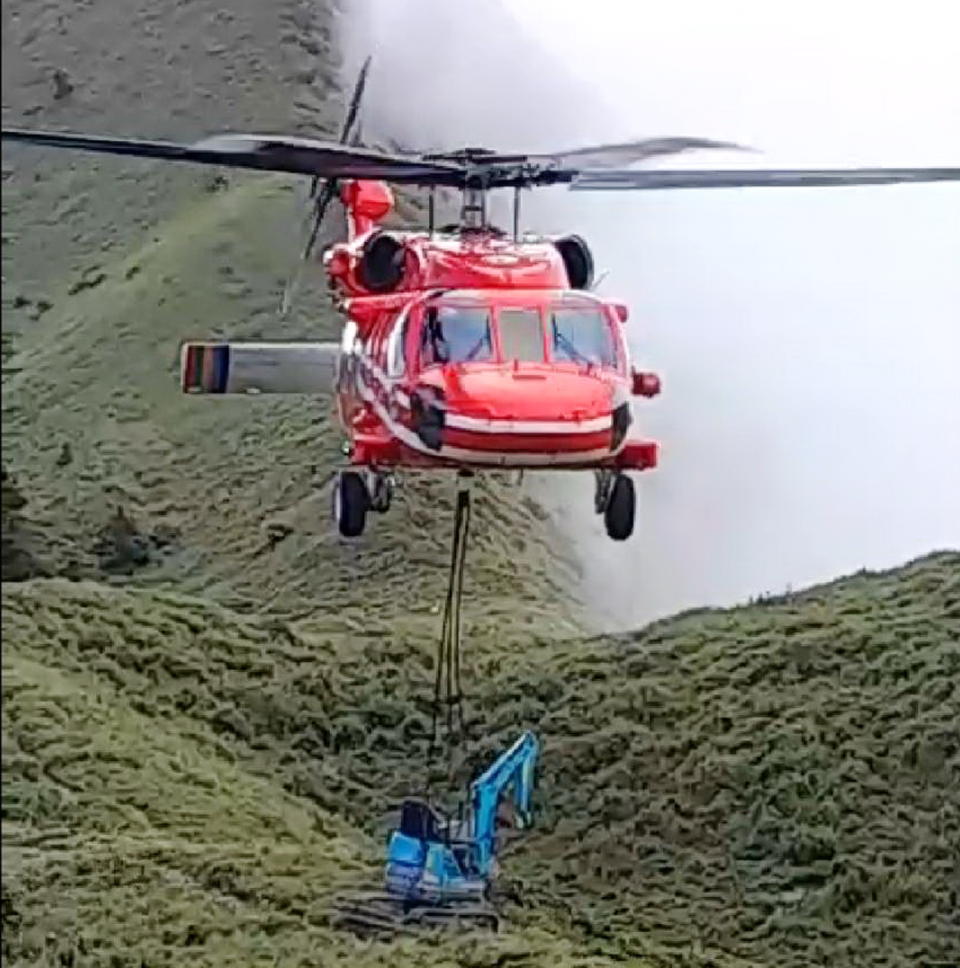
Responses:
[441,871]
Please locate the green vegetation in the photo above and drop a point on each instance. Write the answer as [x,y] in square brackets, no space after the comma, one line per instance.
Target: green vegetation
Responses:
[16,554]
[774,783]
[212,707]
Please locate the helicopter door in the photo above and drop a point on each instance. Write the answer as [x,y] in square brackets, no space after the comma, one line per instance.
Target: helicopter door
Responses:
[395,362]
[348,361]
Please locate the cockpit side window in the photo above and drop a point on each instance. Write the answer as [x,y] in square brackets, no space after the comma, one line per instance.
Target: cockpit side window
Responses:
[455,334]
[521,335]
[395,347]
[581,335]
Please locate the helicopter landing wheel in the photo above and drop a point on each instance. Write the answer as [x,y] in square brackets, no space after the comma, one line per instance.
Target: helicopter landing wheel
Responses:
[621,508]
[351,501]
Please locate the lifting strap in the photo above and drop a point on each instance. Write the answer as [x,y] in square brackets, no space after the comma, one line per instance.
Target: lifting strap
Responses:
[447,689]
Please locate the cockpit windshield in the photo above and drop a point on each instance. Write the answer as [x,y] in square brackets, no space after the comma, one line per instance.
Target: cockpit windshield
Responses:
[580,334]
[456,334]
[521,335]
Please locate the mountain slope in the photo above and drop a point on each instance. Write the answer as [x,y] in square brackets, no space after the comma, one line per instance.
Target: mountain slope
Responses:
[206,726]
[237,487]
[228,498]
[775,784]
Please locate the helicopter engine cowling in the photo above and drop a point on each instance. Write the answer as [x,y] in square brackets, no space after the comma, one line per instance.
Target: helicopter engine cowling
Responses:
[382,263]
[577,260]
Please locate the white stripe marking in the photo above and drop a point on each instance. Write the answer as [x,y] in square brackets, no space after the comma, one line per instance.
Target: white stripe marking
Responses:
[496,458]
[486,425]
[530,426]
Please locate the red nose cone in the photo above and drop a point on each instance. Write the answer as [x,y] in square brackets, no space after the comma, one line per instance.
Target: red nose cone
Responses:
[525,393]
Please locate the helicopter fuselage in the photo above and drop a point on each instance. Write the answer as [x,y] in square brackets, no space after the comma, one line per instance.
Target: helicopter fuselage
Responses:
[473,350]
[465,348]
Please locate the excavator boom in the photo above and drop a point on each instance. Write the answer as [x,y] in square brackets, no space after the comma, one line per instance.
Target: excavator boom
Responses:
[516,766]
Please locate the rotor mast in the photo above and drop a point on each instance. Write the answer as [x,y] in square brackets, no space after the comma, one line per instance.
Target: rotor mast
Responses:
[473,209]
[478,178]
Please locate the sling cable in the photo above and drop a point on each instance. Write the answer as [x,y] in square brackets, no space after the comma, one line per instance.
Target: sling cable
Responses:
[447,692]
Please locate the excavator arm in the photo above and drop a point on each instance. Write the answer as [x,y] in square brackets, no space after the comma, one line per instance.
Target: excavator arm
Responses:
[517,766]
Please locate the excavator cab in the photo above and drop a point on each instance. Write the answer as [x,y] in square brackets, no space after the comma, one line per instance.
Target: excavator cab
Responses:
[430,858]
[426,857]
[420,821]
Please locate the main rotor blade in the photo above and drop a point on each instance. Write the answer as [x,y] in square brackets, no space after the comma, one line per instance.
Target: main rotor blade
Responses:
[280,153]
[630,179]
[627,152]
[322,202]
[354,107]
[321,196]
[346,129]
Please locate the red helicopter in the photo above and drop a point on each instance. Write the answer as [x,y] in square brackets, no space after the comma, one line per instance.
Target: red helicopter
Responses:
[464,347]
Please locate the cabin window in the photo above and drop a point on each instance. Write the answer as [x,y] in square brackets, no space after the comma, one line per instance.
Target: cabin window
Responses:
[581,335]
[521,335]
[456,334]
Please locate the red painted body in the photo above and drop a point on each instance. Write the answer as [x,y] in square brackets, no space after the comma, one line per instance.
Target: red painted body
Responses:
[482,340]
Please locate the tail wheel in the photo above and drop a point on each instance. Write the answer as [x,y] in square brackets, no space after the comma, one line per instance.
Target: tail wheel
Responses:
[621,509]
[350,504]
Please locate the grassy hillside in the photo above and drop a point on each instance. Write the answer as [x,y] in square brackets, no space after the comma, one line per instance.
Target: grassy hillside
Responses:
[210,711]
[150,69]
[225,498]
[235,490]
[772,785]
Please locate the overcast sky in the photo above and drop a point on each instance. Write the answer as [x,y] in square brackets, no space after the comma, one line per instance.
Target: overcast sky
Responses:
[808,339]
[864,81]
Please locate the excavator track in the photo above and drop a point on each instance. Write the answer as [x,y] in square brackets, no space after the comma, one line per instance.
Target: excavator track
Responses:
[378,914]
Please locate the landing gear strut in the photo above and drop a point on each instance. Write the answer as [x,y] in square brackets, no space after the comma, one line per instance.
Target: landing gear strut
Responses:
[380,486]
[357,492]
[616,499]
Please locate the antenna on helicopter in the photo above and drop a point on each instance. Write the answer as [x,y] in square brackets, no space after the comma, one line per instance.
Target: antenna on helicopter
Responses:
[596,283]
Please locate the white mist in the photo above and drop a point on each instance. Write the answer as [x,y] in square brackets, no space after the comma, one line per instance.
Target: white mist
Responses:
[808,339]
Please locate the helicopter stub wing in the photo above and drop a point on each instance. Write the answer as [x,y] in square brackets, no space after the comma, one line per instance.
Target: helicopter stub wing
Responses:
[253,368]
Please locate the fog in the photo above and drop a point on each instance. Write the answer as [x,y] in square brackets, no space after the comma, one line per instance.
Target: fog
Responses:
[808,339]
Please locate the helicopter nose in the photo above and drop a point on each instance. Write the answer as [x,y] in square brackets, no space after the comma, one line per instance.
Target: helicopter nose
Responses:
[512,416]
[531,395]
[523,405]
